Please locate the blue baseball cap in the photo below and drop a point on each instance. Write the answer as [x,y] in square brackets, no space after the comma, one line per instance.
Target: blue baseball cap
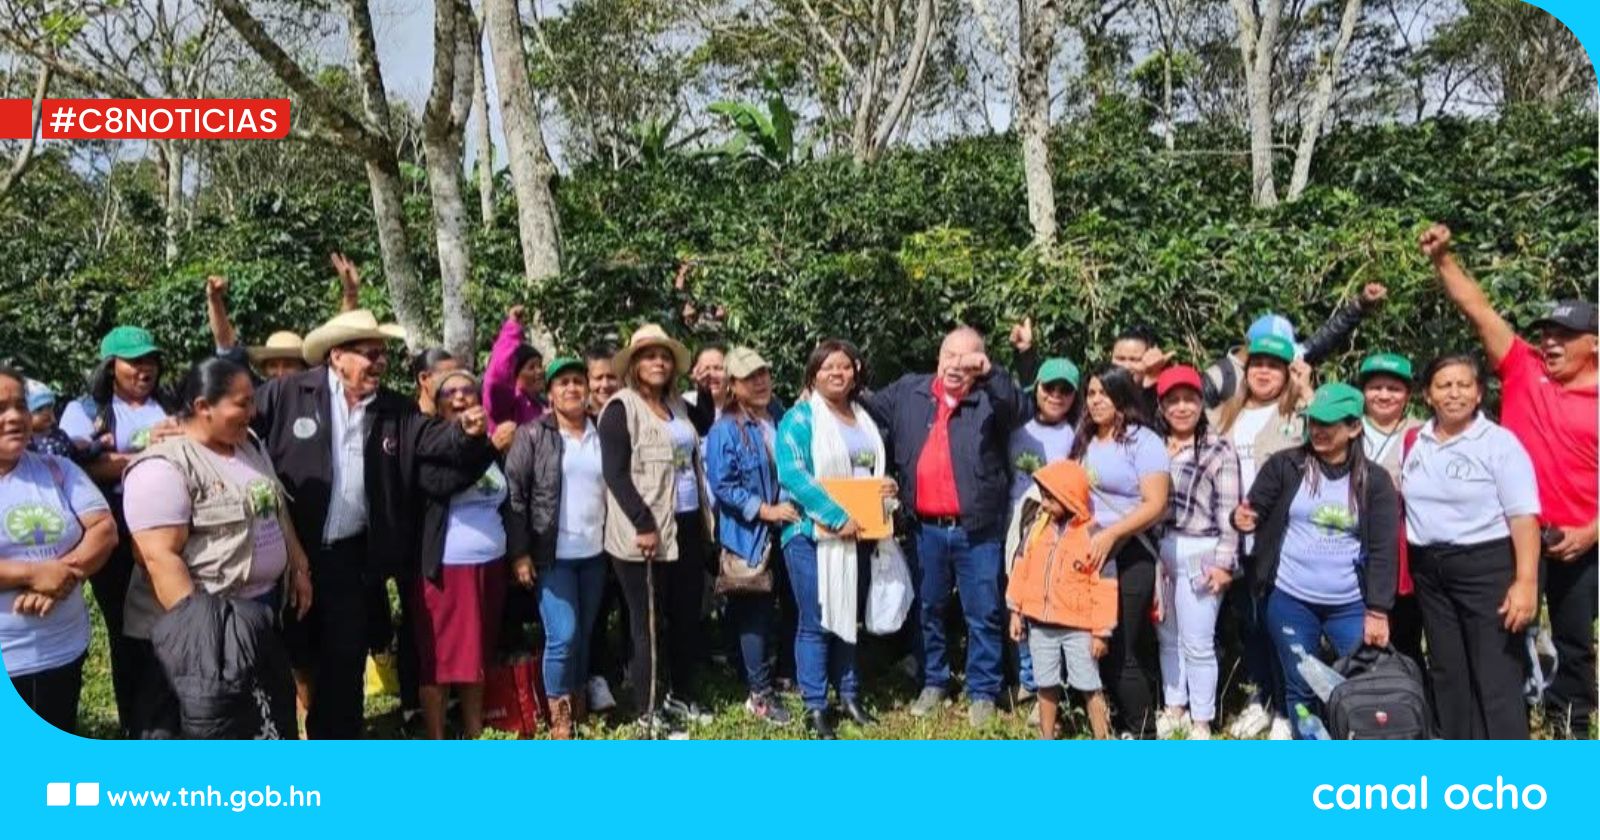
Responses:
[40,395]
[1270,324]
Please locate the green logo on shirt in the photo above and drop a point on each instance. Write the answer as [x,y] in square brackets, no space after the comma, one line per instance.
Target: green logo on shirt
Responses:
[140,440]
[865,460]
[34,524]
[682,457]
[490,483]
[1094,475]
[1028,463]
[263,498]
[1333,519]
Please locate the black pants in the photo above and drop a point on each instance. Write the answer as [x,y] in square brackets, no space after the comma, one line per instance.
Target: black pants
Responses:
[788,618]
[110,586]
[1477,666]
[52,694]
[1569,591]
[678,586]
[1405,627]
[331,641]
[606,657]
[1129,667]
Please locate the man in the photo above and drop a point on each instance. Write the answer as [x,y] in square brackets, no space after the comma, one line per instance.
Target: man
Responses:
[1224,375]
[345,448]
[1548,399]
[948,434]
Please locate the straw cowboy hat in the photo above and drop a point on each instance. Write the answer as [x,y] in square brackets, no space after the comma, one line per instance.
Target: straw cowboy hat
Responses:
[650,335]
[355,325]
[280,345]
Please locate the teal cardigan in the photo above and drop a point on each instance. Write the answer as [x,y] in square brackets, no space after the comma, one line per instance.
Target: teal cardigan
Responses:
[797,475]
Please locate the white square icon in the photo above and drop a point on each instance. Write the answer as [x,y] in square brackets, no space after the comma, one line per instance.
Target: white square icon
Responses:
[88,793]
[57,794]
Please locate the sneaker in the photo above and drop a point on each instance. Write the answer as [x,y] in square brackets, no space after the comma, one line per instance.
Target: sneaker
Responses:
[600,697]
[930,699]
[1169,724]
[980,712]
[686,712]
[1200,732]
[762,707]
[661,727]
[1250,723]
[1281,730]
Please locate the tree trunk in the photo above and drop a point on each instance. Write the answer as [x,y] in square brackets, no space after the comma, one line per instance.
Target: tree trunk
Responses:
[1256,39]
[531,169]
[910,74]
[1039,20]
[170,154]
[443,141]
[1321,99]
[485,143]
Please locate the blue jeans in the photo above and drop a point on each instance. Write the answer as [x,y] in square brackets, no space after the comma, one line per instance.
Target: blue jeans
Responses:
[751,617]
[820,657]
[1293,622]
[942,556]
[569,600]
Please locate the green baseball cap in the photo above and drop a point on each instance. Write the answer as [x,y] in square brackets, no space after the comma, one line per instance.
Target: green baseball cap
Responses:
[1334,403]
[1391,364]
[127,343]
[1275,346]
[560,365]
[1057,370]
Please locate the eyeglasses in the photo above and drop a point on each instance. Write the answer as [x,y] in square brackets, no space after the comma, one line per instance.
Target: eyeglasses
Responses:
[457,391]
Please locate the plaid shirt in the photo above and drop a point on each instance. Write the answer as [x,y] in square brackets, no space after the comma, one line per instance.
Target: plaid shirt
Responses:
[1205,491]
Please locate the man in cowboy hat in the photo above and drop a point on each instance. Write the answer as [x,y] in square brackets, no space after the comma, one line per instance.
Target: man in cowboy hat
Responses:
[346,448]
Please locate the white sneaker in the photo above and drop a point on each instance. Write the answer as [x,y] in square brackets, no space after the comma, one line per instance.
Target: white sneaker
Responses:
[1169,724]
[600,698]
[1200,732]
[1280,729]
[1250,723]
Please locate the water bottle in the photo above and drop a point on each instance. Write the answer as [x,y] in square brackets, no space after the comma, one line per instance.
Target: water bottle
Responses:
[1309,725]
[1317,674]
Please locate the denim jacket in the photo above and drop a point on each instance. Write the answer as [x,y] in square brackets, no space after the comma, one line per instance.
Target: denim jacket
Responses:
[742,479]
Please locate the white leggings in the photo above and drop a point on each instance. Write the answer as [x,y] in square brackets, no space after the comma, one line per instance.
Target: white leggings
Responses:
[1187,632]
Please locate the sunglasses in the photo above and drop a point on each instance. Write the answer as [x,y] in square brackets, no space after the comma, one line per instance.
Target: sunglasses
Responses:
[457,391]
[371,354]
[1060,389]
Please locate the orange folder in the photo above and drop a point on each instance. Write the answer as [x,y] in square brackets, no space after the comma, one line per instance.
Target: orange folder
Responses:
[862,498]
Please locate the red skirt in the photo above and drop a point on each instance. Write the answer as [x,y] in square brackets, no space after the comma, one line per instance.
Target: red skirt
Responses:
[458,622]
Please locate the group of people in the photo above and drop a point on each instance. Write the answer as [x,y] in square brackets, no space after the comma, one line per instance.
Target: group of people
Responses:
[1107,532]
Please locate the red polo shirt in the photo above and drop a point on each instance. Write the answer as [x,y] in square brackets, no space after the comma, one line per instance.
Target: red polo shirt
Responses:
[1560,428]
[936,477]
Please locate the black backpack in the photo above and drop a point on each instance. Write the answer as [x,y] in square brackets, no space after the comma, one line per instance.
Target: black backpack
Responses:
[1381,698]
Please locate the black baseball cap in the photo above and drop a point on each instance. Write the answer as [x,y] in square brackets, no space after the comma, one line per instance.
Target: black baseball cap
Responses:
[1577,315]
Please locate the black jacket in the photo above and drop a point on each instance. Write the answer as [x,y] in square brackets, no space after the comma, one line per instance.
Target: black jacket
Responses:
[980,430]
[293,419]
[228,668]
[441,475]
[533,473]
[1378,523]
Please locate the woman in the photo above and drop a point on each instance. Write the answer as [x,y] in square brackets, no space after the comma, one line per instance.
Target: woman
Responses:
[605,655]
[514,378]
[124,412]
[828,435]
[1199,552]
[460,587]
[1386,381]
[1128,469]
[1045,438]
[557,535]
[207,514]
[709,370]
[58,532]
[658,525]
[1472,521]
[1261,419]
[1326,523]
[427,365]
[603,380]
[743,479]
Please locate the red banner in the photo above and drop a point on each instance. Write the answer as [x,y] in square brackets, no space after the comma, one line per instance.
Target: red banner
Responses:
[148,119]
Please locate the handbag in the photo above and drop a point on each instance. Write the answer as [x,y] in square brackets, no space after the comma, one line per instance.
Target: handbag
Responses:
[513,696]
[735,575]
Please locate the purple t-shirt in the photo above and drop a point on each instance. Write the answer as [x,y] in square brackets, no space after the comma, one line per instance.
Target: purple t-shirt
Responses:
[155,495]
[1115,469]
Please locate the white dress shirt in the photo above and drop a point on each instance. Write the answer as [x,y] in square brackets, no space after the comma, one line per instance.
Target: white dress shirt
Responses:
[347,505]
[1461,491]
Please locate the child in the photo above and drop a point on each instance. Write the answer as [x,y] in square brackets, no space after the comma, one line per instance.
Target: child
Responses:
[1053,552]
[47,437]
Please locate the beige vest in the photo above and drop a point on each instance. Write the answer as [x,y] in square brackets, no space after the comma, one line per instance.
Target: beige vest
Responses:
[221,544]
[655,478]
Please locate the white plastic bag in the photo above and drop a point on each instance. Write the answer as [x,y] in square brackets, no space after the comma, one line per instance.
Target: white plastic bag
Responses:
[889,594]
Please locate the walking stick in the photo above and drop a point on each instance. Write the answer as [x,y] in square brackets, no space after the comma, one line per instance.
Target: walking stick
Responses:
[650,613]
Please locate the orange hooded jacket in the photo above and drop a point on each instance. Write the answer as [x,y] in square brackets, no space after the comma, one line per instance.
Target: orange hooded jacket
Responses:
[1050,581]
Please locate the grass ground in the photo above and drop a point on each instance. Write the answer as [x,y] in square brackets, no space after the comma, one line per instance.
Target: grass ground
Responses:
[888,692]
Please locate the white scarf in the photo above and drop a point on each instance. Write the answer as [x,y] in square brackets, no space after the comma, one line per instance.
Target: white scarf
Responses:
[836,558]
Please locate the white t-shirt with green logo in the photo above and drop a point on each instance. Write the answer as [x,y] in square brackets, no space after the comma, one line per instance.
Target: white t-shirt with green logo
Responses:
[39,523]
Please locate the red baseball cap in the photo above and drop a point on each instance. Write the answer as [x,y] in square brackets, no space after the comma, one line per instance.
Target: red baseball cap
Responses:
[1177,376]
